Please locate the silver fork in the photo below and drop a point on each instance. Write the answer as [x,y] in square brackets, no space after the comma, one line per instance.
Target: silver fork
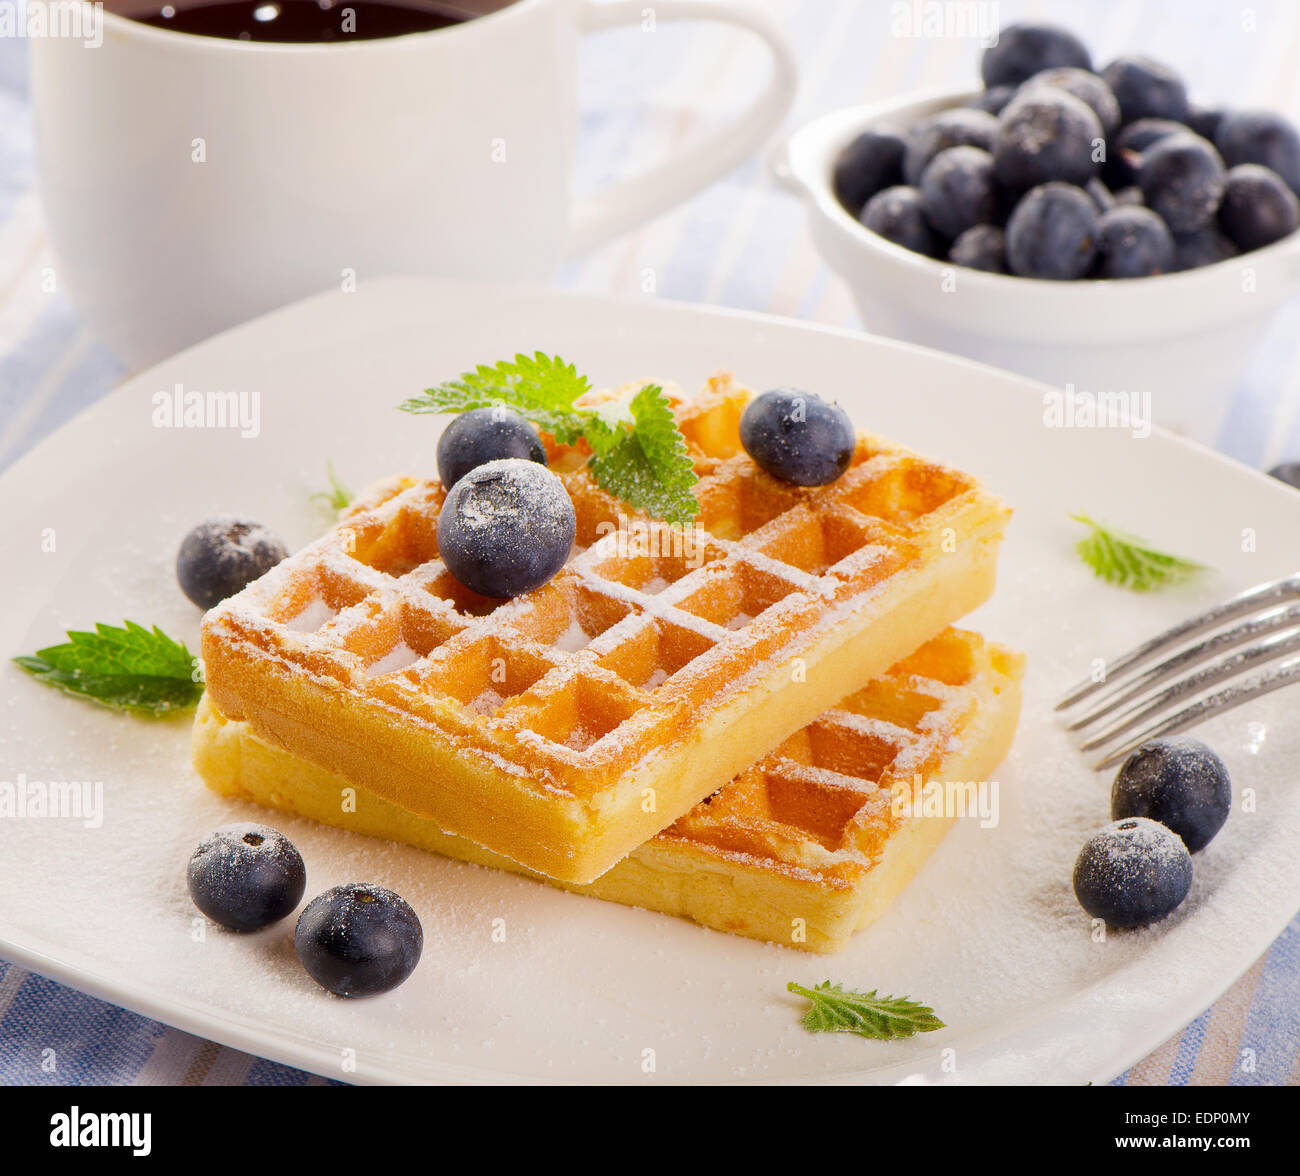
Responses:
[1134,695]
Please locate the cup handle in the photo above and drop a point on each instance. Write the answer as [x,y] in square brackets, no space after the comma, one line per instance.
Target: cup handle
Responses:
[619,207]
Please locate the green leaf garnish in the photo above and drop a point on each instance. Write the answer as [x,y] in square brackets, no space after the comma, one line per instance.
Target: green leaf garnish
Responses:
[541,389]
[883,1018]
[1130,562]
[130,669]
[638,452]
[337,496]
[646,464]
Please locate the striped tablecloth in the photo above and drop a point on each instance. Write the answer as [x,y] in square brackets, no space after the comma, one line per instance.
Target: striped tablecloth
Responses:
[742,243]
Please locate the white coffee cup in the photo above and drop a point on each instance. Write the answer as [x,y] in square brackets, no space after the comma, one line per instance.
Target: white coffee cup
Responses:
[193,182]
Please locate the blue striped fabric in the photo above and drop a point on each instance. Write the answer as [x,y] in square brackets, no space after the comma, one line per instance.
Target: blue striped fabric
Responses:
[741,243]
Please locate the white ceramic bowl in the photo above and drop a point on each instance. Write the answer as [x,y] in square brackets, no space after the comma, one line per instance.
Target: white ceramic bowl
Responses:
[1181,339]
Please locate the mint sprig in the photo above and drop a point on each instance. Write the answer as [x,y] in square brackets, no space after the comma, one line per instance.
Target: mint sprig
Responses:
[127,669]
[645,462]
[883,1018]
[337,496]
[638,452]
[1130,562]
[541,389]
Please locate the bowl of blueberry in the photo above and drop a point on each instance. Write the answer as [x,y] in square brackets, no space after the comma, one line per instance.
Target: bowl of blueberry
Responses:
[1084,224]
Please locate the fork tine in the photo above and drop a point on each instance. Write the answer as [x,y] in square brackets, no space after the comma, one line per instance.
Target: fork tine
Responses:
[1184,659]
[1275,592]
[1253,687]
[1193,684]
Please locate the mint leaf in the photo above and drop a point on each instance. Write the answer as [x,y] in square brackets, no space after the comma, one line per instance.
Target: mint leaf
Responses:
[337,496]
[131,668]
[541,389]
[638,452]
[883,1018]
[647,465]
[1128,561]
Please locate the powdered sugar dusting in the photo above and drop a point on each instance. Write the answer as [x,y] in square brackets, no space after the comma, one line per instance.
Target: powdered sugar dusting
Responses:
[316,615]
[397,658]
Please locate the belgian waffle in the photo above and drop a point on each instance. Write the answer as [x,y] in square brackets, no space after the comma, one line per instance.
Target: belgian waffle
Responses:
[801,849]
[567,726]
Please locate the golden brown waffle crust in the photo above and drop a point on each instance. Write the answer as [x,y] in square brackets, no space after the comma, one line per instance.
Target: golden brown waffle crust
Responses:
[796,850]
[566,727]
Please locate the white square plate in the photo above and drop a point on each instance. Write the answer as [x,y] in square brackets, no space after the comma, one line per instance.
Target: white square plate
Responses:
[989,933]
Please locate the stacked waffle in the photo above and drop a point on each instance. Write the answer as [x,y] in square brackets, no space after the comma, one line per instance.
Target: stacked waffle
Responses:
[715,723]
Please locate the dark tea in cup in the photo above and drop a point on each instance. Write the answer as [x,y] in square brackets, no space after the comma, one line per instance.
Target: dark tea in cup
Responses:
[303,22]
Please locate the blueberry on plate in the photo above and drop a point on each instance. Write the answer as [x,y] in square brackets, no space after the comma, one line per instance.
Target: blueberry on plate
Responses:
[1133,872]
[223,555]
[1052,233]
[1178,781]
[358,939]
[1183,179]
[869,164]
[1260,136]
[1124,156]
[1258,208]
[992,100]
[957,127]
[1204,247]
[1026,49]
[506,527]
[1132,242]
[1146,89]
[1046,135]
[897,215]
[958,190]
[983,247]
[1087,87]
[1288,472]
[482,435]
[246,877]
[797,436]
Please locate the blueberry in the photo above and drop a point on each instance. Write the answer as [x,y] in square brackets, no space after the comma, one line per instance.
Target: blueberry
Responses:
[506,527]
[1130,196]
[358,939]
[1258,208]
[1124,155]
[1259,136]
[1132,873]
[1046,135]
[223,555]
[958,190]
[992,100]
[897,215]
[1101,195]
[483,435]
[1133,243]
[957,127]
[869,164]
[1288,472]
[797,436]
[1026,49]
[1183,179]
[1052,233]
[983,248]
[1205,121]
[246,877]
[1087,87]
[1179,782]
[1203,247]
[1146,89]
